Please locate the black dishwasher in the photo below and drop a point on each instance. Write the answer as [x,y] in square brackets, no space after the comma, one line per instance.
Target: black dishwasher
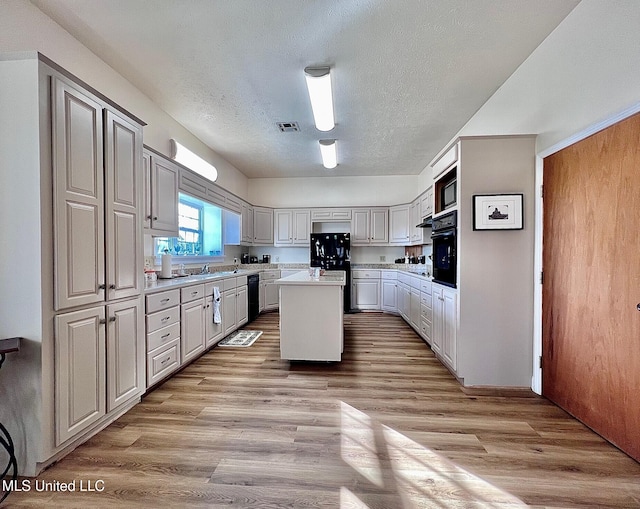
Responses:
[253,282]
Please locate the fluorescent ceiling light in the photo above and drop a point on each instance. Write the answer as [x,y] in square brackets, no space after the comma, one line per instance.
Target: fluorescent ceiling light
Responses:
[328,152]
[192,161]
[319,86]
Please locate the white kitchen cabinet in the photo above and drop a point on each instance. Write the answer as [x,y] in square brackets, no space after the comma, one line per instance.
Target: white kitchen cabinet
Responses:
[192,330]
[426,203]
[446,160]
[163,335]
[426,311]
[247,224]
[389,291]
[229,311]
[365,289]
[399,225]
[415,213]
[292,227]
[97,201]
[370,226]
[161,201]
[80,371]
[262,226]
[335,214]
[125,352]
[270,294]
[445,317]
[214,332]
[414,309]
[235,304]
[99,363]
[78,206]
[389,295]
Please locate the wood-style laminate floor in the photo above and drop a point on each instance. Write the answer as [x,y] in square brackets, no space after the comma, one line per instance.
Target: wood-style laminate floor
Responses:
[387,428]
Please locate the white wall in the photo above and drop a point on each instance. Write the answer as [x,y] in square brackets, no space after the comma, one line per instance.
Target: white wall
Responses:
[21,272]
[585,71]
[334,191]
[23,27]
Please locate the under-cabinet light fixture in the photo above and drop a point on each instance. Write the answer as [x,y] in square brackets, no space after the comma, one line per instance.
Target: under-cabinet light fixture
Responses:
[328,153]
[192,161]
[319,86]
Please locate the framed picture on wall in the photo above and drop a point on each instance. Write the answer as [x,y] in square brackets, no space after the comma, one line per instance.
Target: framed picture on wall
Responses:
[497,212]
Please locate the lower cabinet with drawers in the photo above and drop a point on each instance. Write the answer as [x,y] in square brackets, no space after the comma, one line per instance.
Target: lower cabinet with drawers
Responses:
[163,334]
[182,323]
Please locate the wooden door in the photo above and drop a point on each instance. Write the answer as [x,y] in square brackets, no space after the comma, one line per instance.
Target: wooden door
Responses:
[78,200]
[80,394]
[123,185]
[591,326]
[125,352]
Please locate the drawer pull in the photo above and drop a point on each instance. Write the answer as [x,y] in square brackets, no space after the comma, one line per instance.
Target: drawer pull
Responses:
[164,301]
[165,361]
[165,335]
[194,293]
[165,318]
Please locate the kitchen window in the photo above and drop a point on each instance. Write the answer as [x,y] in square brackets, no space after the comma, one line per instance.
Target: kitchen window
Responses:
[199,233]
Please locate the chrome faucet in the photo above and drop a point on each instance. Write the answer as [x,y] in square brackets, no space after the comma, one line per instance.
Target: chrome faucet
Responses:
[205,269]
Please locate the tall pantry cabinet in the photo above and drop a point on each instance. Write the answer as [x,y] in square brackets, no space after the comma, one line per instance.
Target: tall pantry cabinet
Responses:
[79,204]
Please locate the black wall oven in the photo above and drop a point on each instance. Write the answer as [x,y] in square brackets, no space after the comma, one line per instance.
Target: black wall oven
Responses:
[444,259]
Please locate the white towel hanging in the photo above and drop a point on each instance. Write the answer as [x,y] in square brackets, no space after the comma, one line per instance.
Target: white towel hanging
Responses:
[216,305]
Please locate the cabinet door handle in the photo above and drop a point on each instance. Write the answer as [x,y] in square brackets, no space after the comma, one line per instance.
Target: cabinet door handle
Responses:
[102,321]
[155,218]
[149,217]
[102,286]
[112,318]
[112,287]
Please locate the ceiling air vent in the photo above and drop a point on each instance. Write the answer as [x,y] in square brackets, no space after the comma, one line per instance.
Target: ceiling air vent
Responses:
[288,127]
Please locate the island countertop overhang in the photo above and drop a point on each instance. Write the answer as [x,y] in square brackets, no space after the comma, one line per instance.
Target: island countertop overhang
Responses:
[303,278]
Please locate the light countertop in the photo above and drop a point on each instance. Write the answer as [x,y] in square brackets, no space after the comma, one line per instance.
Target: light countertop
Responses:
[333,278]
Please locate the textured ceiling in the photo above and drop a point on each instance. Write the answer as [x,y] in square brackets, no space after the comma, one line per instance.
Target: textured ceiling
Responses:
[407,74]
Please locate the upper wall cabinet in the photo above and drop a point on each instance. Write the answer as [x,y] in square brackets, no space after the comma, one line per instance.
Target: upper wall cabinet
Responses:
[247,224]
[97,200]
[262,226]
[370,226]
[292,227]
[449,158]
[320,215]
[399,225]
[161,195]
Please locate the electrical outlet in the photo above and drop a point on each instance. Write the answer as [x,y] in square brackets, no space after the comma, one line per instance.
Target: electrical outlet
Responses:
[149,262]
[383,258]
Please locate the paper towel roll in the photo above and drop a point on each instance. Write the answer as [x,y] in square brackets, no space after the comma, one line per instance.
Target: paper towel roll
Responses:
[165,272]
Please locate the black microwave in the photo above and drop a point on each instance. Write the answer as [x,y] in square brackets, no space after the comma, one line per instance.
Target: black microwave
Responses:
[448,194]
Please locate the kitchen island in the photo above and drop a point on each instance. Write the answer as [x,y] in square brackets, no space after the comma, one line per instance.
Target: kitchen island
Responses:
[311,316]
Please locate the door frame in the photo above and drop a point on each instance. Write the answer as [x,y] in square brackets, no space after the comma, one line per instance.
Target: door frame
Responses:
[536,379]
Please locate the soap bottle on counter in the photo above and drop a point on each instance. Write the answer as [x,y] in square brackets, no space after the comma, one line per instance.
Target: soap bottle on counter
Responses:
[406,258]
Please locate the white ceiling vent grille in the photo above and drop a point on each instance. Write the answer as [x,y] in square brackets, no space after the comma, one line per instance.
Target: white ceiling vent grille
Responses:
[288,127]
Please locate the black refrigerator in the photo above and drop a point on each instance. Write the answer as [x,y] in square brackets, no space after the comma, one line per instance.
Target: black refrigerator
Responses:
[331,251]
